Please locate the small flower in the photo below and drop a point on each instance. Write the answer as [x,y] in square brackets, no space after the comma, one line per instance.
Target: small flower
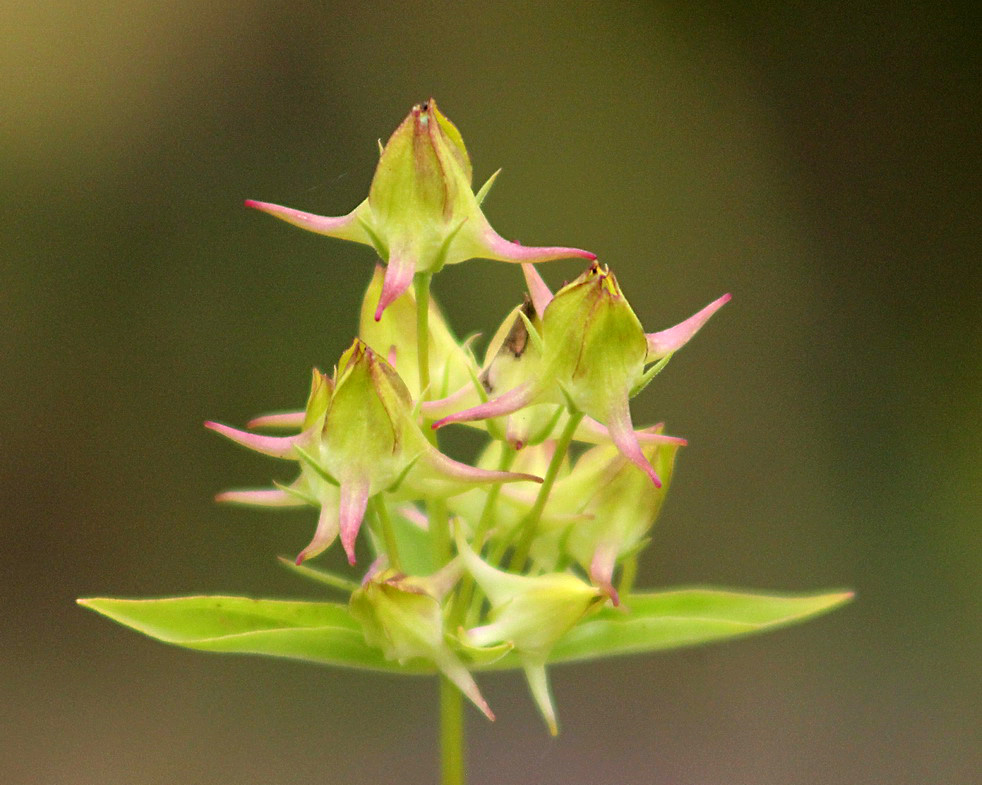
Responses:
[531,614]
[421,212]
[403,616]
[594,353]
[361,436]
[617,504]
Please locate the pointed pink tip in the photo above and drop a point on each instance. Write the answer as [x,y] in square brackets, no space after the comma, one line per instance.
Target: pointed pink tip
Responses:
[300,557]
[351,558]
[398,276]
[252,203]
[611,592]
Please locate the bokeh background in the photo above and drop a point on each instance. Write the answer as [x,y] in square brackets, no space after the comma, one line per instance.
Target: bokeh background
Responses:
[820,161]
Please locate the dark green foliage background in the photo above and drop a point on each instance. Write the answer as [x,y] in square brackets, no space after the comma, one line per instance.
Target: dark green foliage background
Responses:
[817,163]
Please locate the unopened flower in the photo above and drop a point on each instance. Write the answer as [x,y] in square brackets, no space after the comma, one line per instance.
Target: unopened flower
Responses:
[403,616]
[594,353]
[421,212]
[618,507]
[531,613]
[367,441]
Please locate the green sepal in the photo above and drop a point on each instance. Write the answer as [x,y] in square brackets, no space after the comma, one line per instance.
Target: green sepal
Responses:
[649,374]
[297,493]
[481,195]
[316,465]
[533,333]
[480,656]
[319,575]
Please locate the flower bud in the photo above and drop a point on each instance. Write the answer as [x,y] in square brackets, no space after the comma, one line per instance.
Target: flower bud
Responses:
[531,613]
[363,438]
[421,212]
[403,617]
[621,508]
[594,357]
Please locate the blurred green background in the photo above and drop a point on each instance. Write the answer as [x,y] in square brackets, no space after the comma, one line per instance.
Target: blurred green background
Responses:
[819,162]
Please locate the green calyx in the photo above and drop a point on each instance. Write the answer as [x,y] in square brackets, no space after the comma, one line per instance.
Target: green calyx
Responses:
[595,345]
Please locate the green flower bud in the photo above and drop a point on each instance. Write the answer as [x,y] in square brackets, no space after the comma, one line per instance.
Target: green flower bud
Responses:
[421,212]
[403,616]
[594,357]
[531,613]
[621,508]
[362,437]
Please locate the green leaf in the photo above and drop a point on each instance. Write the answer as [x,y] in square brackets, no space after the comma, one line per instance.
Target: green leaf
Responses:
[322,632]
[686,617]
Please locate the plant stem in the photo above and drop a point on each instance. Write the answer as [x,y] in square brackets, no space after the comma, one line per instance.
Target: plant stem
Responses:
[422,283]
[439,531]
[628,573]
[388,533]
[462,608]
[451,734]
[451,700]
[530,523]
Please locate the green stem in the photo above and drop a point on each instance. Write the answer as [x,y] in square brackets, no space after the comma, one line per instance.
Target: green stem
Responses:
[465,594]
[451,734]
[439,530]
[451,700]
[422,284]
[628,573]
[530,523]
[388,533]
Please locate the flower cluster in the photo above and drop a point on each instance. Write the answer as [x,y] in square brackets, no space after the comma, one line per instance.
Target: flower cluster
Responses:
[472,563]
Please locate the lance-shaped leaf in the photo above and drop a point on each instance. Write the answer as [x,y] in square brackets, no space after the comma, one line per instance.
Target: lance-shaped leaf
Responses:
[321,632]
[421,212]
[676,618]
